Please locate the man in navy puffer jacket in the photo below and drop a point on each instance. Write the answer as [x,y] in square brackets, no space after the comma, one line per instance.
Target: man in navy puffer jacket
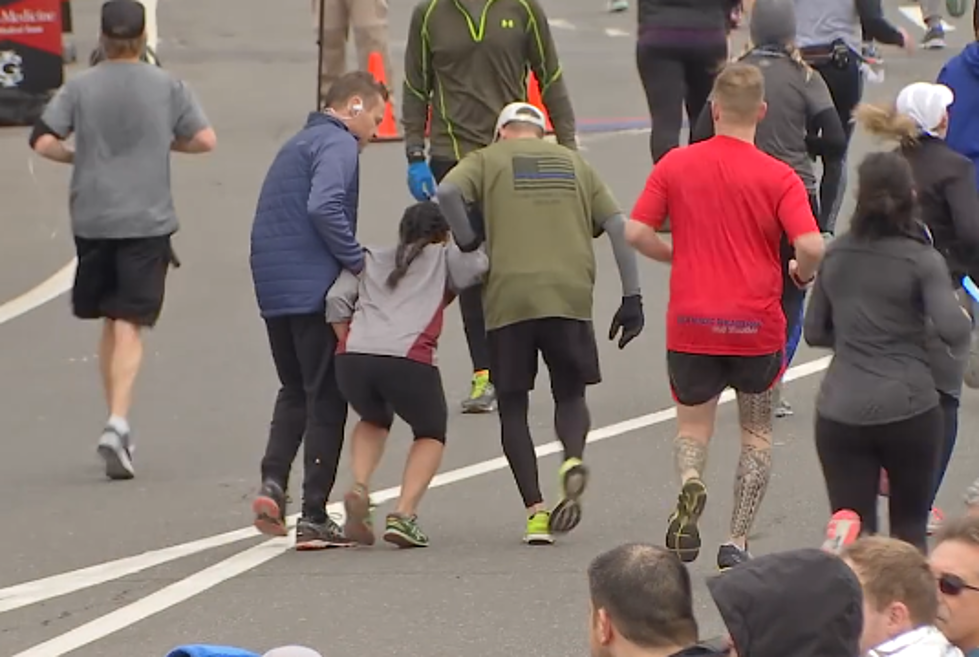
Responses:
[302,238]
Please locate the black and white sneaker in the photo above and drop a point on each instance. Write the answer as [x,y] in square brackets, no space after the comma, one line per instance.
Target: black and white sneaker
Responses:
[730,555]
[116,451]
[315,535]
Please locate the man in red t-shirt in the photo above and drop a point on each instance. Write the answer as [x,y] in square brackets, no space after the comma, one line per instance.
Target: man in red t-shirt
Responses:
[728,205]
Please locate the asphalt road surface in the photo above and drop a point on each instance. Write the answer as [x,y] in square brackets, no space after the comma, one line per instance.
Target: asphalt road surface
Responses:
[93,568]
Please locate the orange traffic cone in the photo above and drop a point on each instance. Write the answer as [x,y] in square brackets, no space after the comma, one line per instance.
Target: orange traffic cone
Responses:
[534,98]
[388,130]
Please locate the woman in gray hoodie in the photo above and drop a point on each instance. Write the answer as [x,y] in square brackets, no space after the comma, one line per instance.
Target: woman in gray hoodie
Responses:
[879,293]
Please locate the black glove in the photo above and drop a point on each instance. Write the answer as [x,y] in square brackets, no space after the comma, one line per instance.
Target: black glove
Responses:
[629,318]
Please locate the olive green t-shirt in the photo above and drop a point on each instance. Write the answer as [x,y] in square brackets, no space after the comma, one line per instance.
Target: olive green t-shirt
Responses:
[542,205]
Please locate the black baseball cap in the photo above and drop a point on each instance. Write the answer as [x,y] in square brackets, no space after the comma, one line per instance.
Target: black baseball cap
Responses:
[123,19]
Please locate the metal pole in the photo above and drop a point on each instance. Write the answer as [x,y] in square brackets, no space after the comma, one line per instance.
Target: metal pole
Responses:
[319,65]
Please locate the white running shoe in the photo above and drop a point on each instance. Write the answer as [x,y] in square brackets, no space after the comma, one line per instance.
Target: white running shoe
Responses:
[117,453]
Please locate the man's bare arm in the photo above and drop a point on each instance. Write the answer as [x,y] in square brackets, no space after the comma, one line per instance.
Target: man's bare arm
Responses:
[50,147]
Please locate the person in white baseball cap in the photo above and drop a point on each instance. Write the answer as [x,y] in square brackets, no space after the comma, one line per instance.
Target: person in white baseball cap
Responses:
[520,112]
[949,207]
[542,206]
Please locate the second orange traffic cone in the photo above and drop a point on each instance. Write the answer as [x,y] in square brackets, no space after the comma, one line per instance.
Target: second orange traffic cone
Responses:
[388,130]
[534,98]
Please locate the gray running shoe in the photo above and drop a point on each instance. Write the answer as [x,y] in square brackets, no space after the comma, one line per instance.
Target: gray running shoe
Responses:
[782,407]
[934,38]
[315,535]
[116,451]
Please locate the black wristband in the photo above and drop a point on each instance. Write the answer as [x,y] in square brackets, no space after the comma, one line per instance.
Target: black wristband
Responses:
[416,155]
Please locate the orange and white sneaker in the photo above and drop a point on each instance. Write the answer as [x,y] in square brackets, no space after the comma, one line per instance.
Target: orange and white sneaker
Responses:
[935,520]
[843,529]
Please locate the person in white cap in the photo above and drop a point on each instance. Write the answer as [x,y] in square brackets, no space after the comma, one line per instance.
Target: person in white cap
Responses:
[945,182]
[542,205]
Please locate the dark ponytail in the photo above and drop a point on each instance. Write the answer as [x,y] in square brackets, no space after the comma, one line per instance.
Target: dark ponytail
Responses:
[886,204]
[421,225]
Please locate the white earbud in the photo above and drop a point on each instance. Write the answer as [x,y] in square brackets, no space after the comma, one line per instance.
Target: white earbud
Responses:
[356,108]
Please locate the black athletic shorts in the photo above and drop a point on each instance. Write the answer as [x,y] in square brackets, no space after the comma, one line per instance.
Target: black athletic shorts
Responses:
[380,387]
[697,378]
[567,345]
[121,278]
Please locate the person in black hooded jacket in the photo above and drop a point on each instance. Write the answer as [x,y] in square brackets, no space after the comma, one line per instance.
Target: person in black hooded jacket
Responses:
[801,603]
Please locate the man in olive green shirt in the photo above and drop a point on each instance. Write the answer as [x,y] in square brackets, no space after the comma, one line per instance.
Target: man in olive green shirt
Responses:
[542,206]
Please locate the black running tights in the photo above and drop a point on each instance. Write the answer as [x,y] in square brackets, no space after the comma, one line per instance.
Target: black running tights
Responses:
[675,78]
[572,422]
[846,88]
[853,456]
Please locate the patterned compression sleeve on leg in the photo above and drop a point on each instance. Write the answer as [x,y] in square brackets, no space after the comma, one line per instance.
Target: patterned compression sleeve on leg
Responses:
[755,462]
[750,485]
[690,457]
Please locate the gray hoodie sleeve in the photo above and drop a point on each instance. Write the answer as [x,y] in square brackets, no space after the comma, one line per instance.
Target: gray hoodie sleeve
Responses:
[625,255]
[818,323]
[465,269]
[952,325]
[341,299]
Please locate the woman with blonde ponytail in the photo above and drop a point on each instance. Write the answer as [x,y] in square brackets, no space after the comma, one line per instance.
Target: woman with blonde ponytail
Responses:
[949,206]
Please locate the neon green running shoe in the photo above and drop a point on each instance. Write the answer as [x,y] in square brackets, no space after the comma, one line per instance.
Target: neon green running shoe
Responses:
[403,531]
[538,529]
[683,535]
[482,395]
[573,478]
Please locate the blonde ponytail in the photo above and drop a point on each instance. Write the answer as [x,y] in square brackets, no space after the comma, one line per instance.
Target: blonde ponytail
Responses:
[791,51]
[887,123]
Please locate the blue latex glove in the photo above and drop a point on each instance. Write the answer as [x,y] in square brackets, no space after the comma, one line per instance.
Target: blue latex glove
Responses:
[421,182]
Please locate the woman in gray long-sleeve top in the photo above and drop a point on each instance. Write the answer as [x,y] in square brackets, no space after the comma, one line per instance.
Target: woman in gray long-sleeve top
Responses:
[879,290]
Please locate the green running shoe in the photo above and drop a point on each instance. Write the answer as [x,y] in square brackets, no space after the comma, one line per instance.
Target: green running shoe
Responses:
[573,477]
[482,395]
[538,529]
[403,531]
[683,536]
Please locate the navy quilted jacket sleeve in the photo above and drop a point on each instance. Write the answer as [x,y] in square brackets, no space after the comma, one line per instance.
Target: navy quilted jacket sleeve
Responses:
[304,233]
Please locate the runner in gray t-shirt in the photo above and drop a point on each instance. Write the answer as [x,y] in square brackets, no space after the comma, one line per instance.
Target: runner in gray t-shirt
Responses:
[126,117]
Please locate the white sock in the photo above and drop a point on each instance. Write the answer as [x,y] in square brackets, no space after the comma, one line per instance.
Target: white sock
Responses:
[119,424]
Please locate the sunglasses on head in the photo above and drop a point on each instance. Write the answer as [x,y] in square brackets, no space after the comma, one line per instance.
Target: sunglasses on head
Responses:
[954,585]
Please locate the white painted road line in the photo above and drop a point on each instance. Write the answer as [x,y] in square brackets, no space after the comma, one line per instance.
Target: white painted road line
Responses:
[615,32]
[913,14]
[253,557]
[561,24]
[47,291]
